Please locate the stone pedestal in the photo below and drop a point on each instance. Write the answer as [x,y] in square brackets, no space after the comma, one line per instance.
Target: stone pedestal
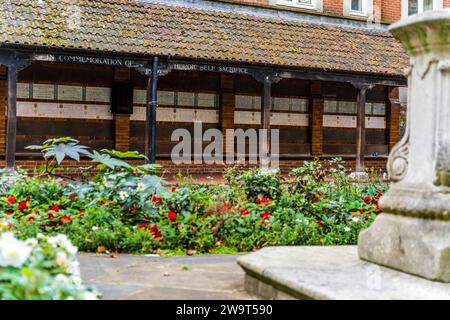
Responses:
[414,235]
[328,273]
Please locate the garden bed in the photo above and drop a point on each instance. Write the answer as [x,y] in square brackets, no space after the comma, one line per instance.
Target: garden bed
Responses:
[125,208]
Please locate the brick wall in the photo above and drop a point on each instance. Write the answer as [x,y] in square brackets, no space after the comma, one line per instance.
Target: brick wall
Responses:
[333,6]
[122,132]
[226,109]
[317,103]
[169,169]
[390,10]
[393,118]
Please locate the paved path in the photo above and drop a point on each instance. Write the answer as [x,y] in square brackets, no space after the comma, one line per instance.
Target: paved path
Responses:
[152,277]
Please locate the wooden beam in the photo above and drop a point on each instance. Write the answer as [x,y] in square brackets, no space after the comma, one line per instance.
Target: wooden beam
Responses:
[11,117]
[152,102]
[360,129]
[265,120]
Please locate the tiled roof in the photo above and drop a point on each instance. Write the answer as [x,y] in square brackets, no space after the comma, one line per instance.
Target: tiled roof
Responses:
[146,28]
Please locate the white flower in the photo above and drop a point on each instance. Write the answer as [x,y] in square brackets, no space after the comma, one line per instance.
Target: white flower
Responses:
[40,236]
[140,187]
[61,258]
[62,241]
[61,278]
[89,296]
[13,252]
[298,221]
[32,242]
[94,228]
[123,195]
[74,268]
[355,219]
[347,229]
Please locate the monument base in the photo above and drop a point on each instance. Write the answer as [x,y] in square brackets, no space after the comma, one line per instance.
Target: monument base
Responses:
[330,273]
[417,246]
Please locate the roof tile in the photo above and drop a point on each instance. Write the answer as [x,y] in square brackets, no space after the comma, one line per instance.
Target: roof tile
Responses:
[145,28]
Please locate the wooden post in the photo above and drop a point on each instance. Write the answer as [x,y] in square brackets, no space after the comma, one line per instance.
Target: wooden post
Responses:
[360,129]
[265,121]
[11,122]
[152,100]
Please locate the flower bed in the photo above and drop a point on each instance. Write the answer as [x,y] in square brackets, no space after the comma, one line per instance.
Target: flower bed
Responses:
[130,209]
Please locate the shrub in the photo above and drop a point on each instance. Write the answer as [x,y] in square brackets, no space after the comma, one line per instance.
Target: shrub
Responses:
[260,183]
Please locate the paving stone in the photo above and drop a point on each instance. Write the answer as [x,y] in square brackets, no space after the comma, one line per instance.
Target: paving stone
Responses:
[153,277]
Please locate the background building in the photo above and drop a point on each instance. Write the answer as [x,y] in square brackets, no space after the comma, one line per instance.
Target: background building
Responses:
[326,73]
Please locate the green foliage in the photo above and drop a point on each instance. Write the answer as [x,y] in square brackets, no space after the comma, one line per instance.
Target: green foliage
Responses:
[260,183]
[127,208]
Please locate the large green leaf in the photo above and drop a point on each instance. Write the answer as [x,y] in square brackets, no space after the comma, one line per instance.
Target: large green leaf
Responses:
[108,161]
[63,150]
[123,155]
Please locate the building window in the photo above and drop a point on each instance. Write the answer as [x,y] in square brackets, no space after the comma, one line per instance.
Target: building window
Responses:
[361,8]
[410,7]
[305,4]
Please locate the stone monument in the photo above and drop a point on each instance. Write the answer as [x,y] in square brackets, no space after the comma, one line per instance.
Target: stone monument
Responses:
[414,233]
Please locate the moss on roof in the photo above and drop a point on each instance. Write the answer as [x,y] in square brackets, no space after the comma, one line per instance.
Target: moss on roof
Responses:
[145,28]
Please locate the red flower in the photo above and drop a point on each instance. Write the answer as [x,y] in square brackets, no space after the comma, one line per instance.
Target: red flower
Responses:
[263,200]
[172,216]
[154,229]
[265,216]
[11,199]
[174,189]
[31,218]
[208,213]
[315,200]
[8,213]
[55,208]
[320,223]
[157,235]
[133,210]
[73,197]
[65,219]
[27,198]
[51,215]
[367,199]
[361,211]
[156,199]
[142,226]
[22,206]
[378,209]
[245,212]
[155,232]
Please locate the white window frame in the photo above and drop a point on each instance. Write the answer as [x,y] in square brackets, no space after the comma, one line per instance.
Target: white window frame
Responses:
[437,5]
[367,8]
[316,5]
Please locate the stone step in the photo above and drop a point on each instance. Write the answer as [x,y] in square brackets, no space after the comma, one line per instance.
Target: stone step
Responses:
[330,273]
